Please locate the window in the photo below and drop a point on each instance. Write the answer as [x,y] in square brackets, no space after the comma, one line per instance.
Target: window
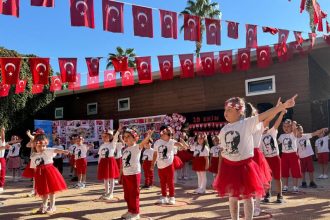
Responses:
[260,86]
[59,113]
[123,104]
[92,108]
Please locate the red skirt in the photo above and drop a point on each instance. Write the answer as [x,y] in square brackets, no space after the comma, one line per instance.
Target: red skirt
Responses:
[214,165]
[265,171]
[71,160]
[239,179]
[178,164]
[199,164]
[28,172]
[119,162]
[107,169]
[48,180]
[81,166]
[185,156]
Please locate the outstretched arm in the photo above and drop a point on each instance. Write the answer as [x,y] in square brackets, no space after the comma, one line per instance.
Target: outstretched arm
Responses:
[320,131]
[278,120]
[146,139]
[28,132]
[116,136]
[58,151]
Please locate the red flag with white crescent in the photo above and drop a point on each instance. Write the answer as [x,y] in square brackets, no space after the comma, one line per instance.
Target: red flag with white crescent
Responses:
[168,24]
[282,52]
[243,59]
[93,65]
[283,36]
[37,88]
[4,90]
[55,84]
[143,67]
[9,7]
[93,82]
[10,69]
[299,38]
[207,63]
[264,56]
[232,29]
[109,79]
[191,26]
[226,61]
[43,3]
[82,13]
[127,77]
[113,16]
[213,31]
[166,67]
[251,36]
[142,20]
[68,69]
[40,70]
[20,86]
[120,63]
[76,84]
[187,65]
[270,30]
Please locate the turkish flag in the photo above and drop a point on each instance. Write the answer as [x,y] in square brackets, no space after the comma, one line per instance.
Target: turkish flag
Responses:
[40,70]
[92,82]
[113,16]
[270,30]
[326,39]
[82,13]
[142,20]
[20,86]
[44,3]
[109,79]
[208,63]
[55,84]
[166,67]
[4,89]
[232,29]
[192,29]
[9,7]
[120,64]
[226,61]
[264,56]
[93,64]
[37,88]
[168,24]
[251,36]
[10,69]
[312,37]
[328,26]
[282,36]
[76,84]
[243,59]
[299,38]
[213,31]
[127,77]
[282,52]
[187,65]
[68,69]
[143,67]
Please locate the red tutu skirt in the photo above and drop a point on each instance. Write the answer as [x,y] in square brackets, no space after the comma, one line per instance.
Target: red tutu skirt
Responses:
[107,169]
[214,165]
[185,155]
[265,171]
[71,160]
[48,180]
[28,172]
[240,179]
[199,164]
[119,162]
[178,164]
[81,166]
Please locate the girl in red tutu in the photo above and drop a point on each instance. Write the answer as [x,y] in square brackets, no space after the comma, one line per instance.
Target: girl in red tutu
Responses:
[215,152]
[239,176]
[177,163]
[48,179]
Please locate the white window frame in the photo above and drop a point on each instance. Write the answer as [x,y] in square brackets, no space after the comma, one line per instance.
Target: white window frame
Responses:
[128,106]
[88,110]
[247,93]
[60,109]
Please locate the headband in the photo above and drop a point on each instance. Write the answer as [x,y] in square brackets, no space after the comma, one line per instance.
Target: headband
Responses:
[235,105]
[132,132]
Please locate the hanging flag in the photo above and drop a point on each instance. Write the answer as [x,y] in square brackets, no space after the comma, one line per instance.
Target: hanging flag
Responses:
[270,30]
[207,60]
[82,13]
[10,69]
[37,88]
[127,77]
[232,29]
[4,90]
[326,39]
[191,26]
[251,36]
[39,68]
[76,84]
[68,69]
[187,65]
[120,63]
[20,86]
[294,46]
[9,7]
[168,24]
[328,26]
[109,79]
[143,67]
[319,15]
[166,67]
[282,52]
[283,36]
[55,84]
[312,37]
[113,16]
[302,5]
[142,21]
[297,35]
[213,31]
[93,64]
[226,61]
[92,82]
[243,59]
[264,56]
[43,3]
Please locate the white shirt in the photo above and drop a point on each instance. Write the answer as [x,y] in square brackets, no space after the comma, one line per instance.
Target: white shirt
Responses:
[198,150]
[269,144]
[165,152]
[14,150]
[119,150]
[148,154]
[322,144]
[215,151]
[72,148]
[2,152]
[131,160]
[257,135]
[80,151]
[60,147]
[236,139]
[43,158]
[304,146]
[289,143]
[107,150]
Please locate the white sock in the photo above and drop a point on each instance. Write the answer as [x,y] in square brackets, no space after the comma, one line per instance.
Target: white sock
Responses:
[111,185]
[248,209]
[199,178]
[203,181]
[106,186]
[52,200]
[234,208]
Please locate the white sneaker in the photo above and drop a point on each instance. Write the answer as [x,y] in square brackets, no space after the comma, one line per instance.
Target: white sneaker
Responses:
[125,215]
[108,197]
[162,200]
[295,189]
[320,177]
[257,211]
[1,190]
[171,201]
[285,189]
[325,176]
[131,216]
[116,181]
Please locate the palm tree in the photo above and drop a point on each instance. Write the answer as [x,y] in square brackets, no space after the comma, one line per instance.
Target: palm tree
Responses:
[203,9]
[129,53]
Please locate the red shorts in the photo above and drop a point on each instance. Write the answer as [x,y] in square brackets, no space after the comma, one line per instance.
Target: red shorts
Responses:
[323,158]
[307,164]
[275,165]
[81,166]
[290,162]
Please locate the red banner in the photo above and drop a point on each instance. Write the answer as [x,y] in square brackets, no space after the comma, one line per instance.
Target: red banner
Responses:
[82,13]
[282,52]
[10,70]
[208,63]
[251,36]
[264,57]
[226,61]
[187,65]
[39,68]
[76,84]
[110,79]
[4,90]
[282,35]
[127,77]
[143,67]
[93,82]
[168,24]
[297,35]
[113,16]
[37,88]
[68,69]
[120,64]
[243,59]
[9,7]
[20,86]
[43,3]
[166,67]
[93,65]
[192,30]
[142,20]
[270,30]
[213,31]
[232,29]
[328,26]
[55,84]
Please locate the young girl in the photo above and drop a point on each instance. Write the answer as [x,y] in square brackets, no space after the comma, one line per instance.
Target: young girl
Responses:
[215,152]
[322,149]
[58,159]
[80,161]
[177,163]
[107,169]
[48,180]
[239,176]
[146,165]
[185,156]
[119,153]
[14,160]
[3,148]
[72,148]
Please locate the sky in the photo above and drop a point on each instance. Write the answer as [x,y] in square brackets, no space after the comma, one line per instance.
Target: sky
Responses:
[47,32]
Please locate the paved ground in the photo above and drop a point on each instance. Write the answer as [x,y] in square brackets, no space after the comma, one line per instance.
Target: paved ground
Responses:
[81,204]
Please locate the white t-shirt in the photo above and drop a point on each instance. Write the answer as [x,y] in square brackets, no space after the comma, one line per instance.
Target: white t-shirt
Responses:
[43,158]
[72,148]
[215,151]
[148,154]
[257,135]
[107,150]
[198,150]
[269,144]
[289,143]
[322,144]
[304,146]
[131,160]
[119,150]
[80,151]
[14,150]
[165,152]
[2,152]
[236,139]
[60,147]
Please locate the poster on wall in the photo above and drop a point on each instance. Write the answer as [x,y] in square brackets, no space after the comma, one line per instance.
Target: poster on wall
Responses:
[46,125]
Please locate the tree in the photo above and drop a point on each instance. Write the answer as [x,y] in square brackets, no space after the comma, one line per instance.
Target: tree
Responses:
[129,53]
[203,9]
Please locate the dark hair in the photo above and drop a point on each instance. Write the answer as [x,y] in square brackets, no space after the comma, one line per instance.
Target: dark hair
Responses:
[205,143]
[250,110]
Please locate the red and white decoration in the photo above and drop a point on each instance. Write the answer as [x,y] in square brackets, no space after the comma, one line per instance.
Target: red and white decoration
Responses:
[68,69]
[143,66]
[93,65]
[192,27]
[20,86]
[127,77]
[40,70]
[43,3]
[10,69]
[110,79]
[213,31]
[142,21]
[9,7]
[168,24]
[113,16]
[82,13]
[187,65]
[166,67]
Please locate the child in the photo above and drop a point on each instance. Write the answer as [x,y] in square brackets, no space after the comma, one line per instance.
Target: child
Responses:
[146,165]
[177,163]
[185,156]
[239,176]
[48,180]
[58,159]
[72,148]
[80,161]
[14,160]
[119,153]
[215,152]
[322,149]
[3,148]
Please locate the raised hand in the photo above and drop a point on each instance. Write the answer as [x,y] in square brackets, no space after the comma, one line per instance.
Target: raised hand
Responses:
[290,102]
